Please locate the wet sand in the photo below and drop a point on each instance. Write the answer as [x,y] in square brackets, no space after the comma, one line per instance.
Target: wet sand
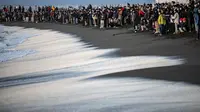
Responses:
[65,74]
[137,44]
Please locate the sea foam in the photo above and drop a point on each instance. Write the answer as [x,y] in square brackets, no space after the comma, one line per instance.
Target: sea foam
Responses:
[10,37]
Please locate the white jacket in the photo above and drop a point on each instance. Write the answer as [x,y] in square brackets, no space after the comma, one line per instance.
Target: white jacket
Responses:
[176,18]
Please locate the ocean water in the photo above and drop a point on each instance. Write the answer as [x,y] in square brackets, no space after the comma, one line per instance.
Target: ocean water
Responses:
[10,37]
[46,50]
[45,70]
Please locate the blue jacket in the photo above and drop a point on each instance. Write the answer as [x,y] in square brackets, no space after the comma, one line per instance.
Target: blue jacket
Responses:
[196,16]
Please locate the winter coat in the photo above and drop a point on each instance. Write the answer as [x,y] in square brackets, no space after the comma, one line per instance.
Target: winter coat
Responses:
[176,18]
[196,16]
[133,16]
[137,18]
[161,20]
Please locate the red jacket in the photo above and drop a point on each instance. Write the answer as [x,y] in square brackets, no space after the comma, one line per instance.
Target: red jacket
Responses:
[122,8]
[141,13]
[6,10]
[49,8]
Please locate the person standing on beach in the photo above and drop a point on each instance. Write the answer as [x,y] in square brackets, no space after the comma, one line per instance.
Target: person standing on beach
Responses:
[137,20]
[6,14]
[102,21]
[196,18]
[133,15]
[98,17]
[161,22]
[26,16]
[120,16]
[142,19]
[23,9]
[198,33]
[94,17]
[90,19]
[176,19]
[106,18]
[36,17]
[32,18]
[190,20]
[52,16]
[155,18]
[11,8]
[84,16]
[63,17]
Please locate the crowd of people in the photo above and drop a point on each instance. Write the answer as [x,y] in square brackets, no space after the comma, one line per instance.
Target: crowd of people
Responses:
[161,18]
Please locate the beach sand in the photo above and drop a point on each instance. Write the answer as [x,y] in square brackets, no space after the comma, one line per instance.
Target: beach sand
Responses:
[79,69]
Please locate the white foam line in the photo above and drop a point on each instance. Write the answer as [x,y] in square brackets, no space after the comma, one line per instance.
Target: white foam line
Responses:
[42,55]
[138,62]
[129,94]
[58,50]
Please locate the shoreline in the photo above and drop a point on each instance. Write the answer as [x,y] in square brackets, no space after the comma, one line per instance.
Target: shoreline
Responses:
[138,44]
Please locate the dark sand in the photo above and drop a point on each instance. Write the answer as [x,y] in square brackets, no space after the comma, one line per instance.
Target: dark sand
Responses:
[134,44]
